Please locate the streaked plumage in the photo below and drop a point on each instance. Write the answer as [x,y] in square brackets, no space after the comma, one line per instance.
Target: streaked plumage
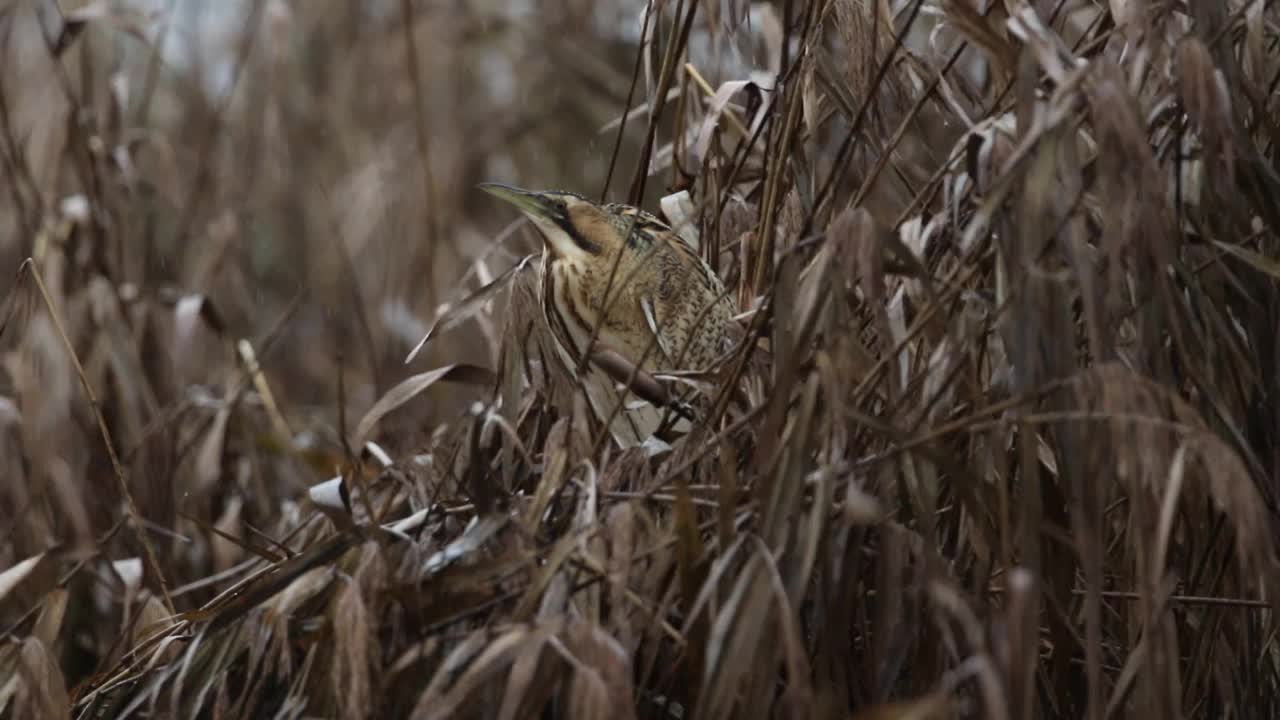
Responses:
[666,309]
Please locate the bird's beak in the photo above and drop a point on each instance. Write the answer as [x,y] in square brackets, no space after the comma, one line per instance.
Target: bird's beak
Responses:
[530,203]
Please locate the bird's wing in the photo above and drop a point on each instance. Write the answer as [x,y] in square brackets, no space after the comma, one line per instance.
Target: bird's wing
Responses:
[693,263]
[666,344]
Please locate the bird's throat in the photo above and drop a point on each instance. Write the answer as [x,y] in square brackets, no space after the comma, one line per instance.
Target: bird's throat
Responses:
[563,302]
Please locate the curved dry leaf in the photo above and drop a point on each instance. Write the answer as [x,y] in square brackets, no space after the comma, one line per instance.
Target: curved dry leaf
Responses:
[298,592]
[523,672]
[237,601]
[153,617]
[982,32]
[354,640]
[601,681]
[468,308]
[812,295]
[407,524]
[480,530]
[1257,261]
[711,120]
[1168,509]
[654,446]
[799,693]
[734,642]
[494,654]
[411,387]
[224,552]
[208,458]
[332,498]
[22,585]
[46,689]
[49,623]
[1052,53]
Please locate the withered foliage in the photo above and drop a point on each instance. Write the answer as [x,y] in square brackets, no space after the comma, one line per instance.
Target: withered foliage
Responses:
[1000,437]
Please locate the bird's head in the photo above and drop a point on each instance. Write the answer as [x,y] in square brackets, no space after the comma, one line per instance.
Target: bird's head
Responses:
[564,219]
[574,228]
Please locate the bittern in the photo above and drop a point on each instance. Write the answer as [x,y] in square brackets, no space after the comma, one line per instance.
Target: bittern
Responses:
[615,279]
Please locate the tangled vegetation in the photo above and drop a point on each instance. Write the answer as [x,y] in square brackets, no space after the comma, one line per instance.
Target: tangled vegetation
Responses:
[1000,440]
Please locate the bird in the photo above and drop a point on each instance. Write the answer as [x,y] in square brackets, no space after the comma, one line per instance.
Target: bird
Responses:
[616,283]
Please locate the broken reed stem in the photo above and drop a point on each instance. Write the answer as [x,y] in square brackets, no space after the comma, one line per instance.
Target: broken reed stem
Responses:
[250,359]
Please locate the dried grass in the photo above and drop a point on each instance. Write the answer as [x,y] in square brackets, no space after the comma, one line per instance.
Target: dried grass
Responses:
[1000,438]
